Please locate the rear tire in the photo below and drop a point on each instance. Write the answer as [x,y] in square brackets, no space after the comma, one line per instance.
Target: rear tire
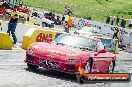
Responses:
[30,66]
[88,66]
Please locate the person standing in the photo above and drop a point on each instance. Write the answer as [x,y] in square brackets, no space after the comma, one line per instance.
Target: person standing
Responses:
[116,33]
[121,37]
[62,20]
[123,22]
[108,19]
[57,21]
[68,19]
[0,27]
[66,10]
[12,27]
[130,23]
[117,20]
[66,26]
[113,19]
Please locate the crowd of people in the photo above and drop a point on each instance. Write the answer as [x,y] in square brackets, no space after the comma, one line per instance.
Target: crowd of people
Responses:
[65,20]
[119,35]
[118,21]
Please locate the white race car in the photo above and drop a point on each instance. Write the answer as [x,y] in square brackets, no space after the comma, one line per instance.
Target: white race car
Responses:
[38,18]
[89,31]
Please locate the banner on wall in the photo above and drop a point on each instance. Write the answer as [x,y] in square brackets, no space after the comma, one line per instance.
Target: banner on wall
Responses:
[39,35]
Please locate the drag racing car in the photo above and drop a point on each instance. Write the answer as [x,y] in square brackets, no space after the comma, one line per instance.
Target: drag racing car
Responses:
[38,18]
[89,31]
[69,52]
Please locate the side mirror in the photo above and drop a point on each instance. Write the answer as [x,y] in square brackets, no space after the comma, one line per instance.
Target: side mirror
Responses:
[100,51]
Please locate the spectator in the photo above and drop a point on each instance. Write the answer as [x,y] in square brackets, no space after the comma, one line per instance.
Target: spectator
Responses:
[57,21]
[0,27]
[108,19]
[117,20]
[12,26]
[68,19]
[66,26]
[6,5]
[116,33]
[123,22]
[50,15]
[130,23]
[53,17]
[121,37]
[66,10]
[113,19]
[62,20]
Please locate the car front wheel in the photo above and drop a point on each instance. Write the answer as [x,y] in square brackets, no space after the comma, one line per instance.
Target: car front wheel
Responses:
[88,66]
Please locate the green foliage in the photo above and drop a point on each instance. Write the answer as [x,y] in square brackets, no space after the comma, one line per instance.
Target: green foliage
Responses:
[96,9]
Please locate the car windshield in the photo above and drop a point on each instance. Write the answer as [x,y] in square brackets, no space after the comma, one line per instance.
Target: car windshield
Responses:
[76,41]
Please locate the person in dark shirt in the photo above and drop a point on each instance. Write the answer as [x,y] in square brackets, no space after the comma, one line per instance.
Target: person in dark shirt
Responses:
[108,19]
[12,26]
[57,21]
[117,20]
[6,5]
[123,22]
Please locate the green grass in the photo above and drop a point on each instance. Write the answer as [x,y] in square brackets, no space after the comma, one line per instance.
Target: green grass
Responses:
[97,9]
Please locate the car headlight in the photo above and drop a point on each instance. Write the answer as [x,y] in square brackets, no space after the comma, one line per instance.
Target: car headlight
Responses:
[71,61]
[29,51]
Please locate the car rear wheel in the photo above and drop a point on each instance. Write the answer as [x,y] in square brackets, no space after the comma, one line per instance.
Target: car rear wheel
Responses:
[88,66]
[31,66]
[111,67]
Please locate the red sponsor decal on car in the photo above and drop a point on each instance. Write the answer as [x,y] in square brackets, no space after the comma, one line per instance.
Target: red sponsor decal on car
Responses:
[44,38]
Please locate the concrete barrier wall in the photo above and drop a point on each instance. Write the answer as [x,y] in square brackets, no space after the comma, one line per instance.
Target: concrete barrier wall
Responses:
[5,41]
[21,29]
[39,35]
